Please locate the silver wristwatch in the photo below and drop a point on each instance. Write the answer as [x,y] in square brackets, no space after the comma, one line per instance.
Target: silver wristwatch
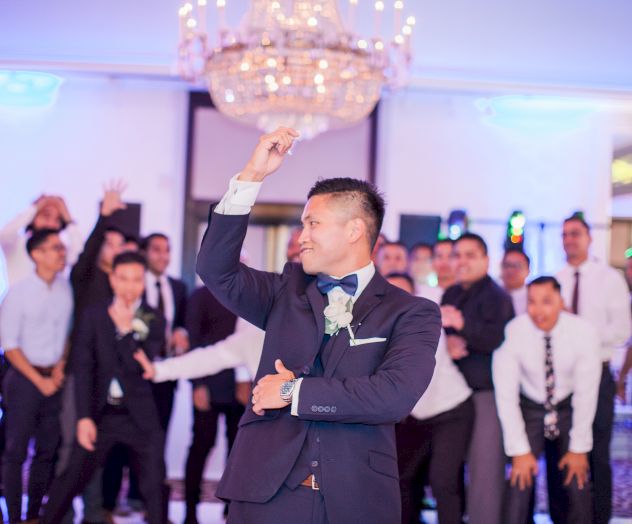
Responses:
[287,388]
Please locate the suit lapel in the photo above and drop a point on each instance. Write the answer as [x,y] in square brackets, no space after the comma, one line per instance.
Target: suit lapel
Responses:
[368,300]
[317,303]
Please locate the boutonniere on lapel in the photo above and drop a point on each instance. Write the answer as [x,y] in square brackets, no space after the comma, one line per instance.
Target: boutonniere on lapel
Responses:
[338,313]
[140,324]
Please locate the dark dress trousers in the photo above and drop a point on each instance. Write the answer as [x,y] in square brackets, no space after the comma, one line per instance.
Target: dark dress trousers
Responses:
[101,356]
[350,398]
[208,322]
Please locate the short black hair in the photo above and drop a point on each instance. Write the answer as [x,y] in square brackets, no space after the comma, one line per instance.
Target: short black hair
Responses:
[369,199]
[30,228]
[474,237]
[442,241]
[405,276]
[579,219]
[133,239]
[520,252]
[144,243]
[421,245]
[397,243]
[541,281]
[129,257]
[38,237]
[114,229]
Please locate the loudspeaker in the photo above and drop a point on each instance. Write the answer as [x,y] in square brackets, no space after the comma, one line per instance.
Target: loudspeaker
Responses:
[415,229]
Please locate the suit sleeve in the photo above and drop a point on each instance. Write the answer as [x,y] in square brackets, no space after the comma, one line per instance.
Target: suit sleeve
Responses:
[486,332]
[83,270]
[387,396]
[245,291]
[84,364]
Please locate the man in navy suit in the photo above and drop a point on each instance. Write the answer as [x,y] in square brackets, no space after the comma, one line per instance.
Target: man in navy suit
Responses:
[346,356]
[115,405]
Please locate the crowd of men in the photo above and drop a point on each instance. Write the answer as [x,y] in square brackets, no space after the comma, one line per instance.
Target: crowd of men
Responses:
[96,334]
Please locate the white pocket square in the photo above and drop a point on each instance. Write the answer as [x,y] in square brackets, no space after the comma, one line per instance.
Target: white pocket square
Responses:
[360,341]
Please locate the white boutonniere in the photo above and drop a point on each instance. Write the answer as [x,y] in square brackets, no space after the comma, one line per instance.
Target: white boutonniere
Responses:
[140,325]
[338,313]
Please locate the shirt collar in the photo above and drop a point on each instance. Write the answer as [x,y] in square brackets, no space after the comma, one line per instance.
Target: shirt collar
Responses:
[151,279]
[364,275]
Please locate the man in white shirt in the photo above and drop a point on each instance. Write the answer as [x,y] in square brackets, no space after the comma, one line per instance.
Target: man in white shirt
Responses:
[432,441]
[444,267]
[514,270]
[597,293]
[345,356]
[47,212]
[546,379]
[34,325]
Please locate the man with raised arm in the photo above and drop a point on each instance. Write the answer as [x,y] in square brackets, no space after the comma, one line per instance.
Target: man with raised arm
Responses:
[346,355]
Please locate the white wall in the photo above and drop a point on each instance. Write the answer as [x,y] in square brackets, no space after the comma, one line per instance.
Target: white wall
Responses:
[97,131]
[436,154]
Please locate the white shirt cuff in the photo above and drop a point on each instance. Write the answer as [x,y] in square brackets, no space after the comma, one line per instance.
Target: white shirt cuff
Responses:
[297,389]
[241,374]
[239,198]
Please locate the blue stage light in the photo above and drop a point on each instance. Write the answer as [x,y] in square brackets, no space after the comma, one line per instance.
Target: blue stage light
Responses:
[28,88]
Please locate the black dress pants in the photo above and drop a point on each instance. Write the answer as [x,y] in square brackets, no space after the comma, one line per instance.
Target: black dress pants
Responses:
[29,415]
[146,453]
[437,444]
[574,505]
[204,435]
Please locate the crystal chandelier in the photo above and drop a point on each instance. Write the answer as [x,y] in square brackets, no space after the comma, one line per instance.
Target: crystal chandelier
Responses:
[293,62]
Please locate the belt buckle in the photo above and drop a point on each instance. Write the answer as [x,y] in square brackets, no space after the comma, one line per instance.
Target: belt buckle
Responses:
[315,487]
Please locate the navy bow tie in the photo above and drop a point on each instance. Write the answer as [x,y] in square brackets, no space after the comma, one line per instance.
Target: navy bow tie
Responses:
[325,283]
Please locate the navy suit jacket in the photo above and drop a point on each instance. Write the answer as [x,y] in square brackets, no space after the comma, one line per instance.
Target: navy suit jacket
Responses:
[100,356]
[363,391]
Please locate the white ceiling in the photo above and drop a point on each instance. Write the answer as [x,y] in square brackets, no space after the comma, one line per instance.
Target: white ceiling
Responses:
[572,43]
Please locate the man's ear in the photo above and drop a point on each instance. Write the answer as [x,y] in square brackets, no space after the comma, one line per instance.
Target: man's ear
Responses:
[357,229]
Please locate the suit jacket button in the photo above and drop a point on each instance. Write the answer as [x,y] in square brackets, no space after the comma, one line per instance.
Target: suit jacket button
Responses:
[314,409]
[320,409]
[306,370]
[327,409]
[333,409]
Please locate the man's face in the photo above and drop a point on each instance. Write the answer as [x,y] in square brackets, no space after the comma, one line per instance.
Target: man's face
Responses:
[421,263]
[443,261]
[128,282]
[324,240]
[544,306]
[472,263]
[392,258]
[514,271]
[293,252]
[158,255]
[112,246]
[50,256]
[47,218]
[576,239]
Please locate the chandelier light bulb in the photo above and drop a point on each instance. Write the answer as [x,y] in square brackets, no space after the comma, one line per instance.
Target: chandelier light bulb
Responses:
[294,62]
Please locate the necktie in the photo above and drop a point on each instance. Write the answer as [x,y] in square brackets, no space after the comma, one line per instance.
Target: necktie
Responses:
[575,302]
[325,283]
[551,430]
[161,302]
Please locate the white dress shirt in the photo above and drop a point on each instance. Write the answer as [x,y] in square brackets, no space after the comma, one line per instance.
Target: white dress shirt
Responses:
[242,348]
[519,298]
[518,367]
[448,387]
[35,317]
[13,243]
[151,295]
[604,300]
[238,200]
